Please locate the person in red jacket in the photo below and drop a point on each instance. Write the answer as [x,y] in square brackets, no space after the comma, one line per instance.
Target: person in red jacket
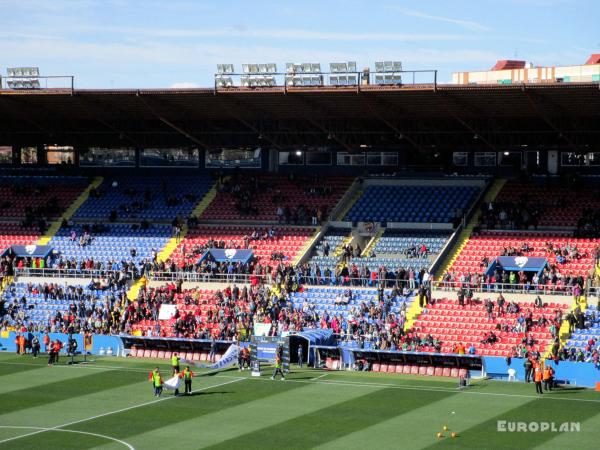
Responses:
[187,376]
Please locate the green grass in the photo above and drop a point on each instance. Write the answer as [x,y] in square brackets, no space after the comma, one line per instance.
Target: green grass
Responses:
[108,404]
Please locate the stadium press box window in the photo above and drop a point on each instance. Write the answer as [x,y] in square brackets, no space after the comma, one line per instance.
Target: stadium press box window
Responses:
[169,157]
[484,159]
[229,158]
[6,155]
[29,155]
[108,157]
[350,159]
[460,158]
[580,159]
[57,154]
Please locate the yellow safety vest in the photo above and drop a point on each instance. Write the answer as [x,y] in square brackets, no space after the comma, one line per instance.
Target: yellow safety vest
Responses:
[174,361]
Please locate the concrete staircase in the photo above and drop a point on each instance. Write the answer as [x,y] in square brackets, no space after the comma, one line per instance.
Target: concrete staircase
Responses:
[412,314]
[68,214]
[307,246]
[372,243]
[463,238]
[563,332]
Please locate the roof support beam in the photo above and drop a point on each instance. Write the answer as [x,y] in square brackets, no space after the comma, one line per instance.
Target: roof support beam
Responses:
[145,101]
[239,105]
[448,102]
[307,106]
[536,100]
[98,106]
[371,101]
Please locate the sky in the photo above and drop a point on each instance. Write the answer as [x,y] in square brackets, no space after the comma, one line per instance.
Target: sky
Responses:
[177,43]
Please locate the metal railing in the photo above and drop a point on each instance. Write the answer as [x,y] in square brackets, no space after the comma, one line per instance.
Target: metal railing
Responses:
[67,273]
[194,277]
[485,287]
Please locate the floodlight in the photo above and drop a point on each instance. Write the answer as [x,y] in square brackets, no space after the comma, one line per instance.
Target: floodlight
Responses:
[224,81]
[225,68]
[271,68]
[23,71]
[388,66]
[344,67]
[258,81]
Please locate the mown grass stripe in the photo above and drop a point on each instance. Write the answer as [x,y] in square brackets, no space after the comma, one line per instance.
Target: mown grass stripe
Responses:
[37,377]
[167,415]
[334,421]
[12,365]
[420,426]
[56,391]
[586,437]
[535,411]
[274,409]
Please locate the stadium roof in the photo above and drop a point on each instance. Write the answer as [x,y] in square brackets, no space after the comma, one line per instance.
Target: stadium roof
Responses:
[447,116]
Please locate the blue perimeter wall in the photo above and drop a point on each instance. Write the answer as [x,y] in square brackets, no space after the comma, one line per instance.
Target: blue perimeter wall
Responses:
[98,341]
[575,373]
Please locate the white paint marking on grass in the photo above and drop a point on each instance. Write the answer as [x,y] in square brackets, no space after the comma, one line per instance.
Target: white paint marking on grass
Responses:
[41,429]
[428,389]
[348,383]
[117,411]
[319,377]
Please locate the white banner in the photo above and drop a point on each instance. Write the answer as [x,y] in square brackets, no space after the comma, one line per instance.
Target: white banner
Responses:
[229,357]
[261,329]
[166,312]
[172,383]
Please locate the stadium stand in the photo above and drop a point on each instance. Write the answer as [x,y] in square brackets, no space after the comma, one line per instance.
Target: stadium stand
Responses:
[16,234]
[471,324]
[327,253]
[33,197]
[63,308]
[269,197]
[154,198]
[357,314]
[284,246]
[538,203]
[568,258]
[584,343]
[108,244]
[412,203]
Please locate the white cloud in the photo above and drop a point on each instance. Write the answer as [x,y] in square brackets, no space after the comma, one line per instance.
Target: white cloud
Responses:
[467,24]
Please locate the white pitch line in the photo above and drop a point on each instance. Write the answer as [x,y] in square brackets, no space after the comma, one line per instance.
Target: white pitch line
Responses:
[427,389]
[359,384]
[319,377]
[117,411]
[41,429]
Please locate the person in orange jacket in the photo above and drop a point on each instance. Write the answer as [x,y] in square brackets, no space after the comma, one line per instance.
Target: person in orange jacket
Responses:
[548,378]
[537,378]
[47,342]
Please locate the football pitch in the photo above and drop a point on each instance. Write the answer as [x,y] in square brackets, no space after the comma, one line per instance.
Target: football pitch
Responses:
[109,404]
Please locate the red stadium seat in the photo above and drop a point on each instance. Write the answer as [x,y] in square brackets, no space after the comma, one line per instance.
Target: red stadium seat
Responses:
[375,367]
